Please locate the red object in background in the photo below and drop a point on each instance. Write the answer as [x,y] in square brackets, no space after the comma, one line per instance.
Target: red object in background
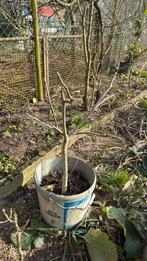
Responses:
[47,11]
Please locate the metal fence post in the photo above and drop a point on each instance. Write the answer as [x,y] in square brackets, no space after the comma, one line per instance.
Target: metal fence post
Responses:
[37,49]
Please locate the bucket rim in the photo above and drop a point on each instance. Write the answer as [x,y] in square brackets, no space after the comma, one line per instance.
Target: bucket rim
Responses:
[66,197]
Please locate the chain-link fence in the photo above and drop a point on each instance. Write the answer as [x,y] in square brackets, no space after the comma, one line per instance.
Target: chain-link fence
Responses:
[61,49]
[63,46]
[61,33]
[17,67]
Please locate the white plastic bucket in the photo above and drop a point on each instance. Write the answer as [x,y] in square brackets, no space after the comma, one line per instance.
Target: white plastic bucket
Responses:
[64,212]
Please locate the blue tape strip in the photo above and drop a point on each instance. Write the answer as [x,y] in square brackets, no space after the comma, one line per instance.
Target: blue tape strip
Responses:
[69,205]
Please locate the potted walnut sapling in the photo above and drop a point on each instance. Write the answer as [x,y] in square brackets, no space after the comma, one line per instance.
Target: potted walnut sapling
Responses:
[64,184]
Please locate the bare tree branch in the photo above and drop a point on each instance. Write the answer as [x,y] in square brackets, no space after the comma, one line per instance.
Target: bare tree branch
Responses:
[44,124]
[65,87]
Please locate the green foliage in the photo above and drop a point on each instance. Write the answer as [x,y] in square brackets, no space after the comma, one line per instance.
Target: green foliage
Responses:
[12,128]
[32,124]
[135,50]
[76,120]
[115,213]
[7,165]
[38,234]
[143,103]
[74,242]
[99,246]
[134,243]
[138,72]
[49,134]
[145,11]
[39,241]
[138,27]
[138,219]
[27,239]
[117,179]
[41,226]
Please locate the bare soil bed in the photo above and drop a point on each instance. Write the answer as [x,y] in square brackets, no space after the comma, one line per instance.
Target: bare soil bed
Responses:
[23,140]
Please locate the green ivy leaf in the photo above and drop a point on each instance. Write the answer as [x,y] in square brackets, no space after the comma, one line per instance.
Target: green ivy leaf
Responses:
[138,218]
[134,243]
[27,239]
[100,248]
[39,241]
[117,214]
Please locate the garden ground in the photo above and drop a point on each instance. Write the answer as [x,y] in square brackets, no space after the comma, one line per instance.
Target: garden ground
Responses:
[116,150]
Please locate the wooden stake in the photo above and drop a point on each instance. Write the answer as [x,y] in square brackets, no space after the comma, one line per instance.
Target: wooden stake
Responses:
[37,49]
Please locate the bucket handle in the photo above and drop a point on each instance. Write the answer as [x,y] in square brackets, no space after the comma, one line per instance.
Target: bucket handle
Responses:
[79,208]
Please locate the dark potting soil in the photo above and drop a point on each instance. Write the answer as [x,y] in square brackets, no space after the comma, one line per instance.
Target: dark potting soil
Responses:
[53,182]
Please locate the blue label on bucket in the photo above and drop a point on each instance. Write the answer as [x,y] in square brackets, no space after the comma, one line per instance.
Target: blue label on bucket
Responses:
[69,205]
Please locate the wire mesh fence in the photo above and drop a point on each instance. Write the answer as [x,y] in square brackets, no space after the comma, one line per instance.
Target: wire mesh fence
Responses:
[17,71]
[60,43]
[61,27]
[17,74]
[61,30]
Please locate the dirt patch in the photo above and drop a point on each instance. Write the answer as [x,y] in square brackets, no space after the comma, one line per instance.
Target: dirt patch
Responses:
[76,183]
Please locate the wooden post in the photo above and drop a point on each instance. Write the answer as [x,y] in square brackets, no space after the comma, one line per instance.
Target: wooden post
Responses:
[44,59]
[37,49]
[46,63]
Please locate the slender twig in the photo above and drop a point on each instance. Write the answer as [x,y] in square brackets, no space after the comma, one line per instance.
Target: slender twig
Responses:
[84,34]
[44,124]
[66,4]
[88,52]
[94,109]
[65,250]
[18,236]
[10,220]
[99,135]
[18,232]
[109,88]
[56,258]
[51,105]
[65,87]
[3,222]
[98,104]
[65,147]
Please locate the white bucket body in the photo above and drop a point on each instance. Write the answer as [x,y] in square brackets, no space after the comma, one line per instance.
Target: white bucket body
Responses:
[64,212]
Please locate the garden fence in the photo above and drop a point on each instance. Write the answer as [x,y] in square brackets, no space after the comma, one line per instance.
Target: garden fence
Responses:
[60,44]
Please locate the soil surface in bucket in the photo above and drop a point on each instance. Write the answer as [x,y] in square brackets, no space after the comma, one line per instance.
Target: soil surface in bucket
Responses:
[53,182]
